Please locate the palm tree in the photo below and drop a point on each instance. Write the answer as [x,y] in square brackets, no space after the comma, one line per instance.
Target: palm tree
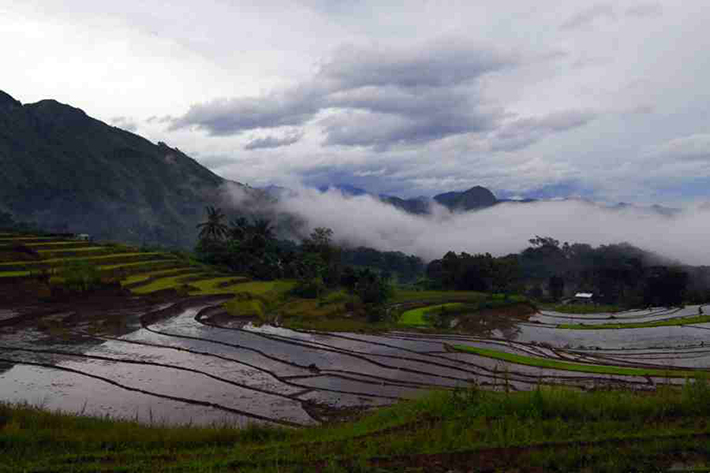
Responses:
[213,228]
[238,229]
[261,232]
[263,228]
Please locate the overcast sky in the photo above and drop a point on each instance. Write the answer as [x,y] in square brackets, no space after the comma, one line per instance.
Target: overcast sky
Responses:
[606,100]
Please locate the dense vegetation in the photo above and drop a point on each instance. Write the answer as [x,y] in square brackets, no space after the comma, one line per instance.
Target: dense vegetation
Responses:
[250,247]
[547,270]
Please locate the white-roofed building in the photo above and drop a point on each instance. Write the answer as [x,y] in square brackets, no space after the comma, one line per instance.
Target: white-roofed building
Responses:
[584,297]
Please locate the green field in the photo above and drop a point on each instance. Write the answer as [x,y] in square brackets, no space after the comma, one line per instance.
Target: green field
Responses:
[417,317]
[570,366]
[579,308]
[695,319]
[433,296]
[259,288]
[621,431]
[135,278]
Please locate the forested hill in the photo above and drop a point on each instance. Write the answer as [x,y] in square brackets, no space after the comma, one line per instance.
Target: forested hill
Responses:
[66,171]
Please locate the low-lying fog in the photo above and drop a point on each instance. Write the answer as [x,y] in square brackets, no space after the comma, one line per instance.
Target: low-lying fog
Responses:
[499,230]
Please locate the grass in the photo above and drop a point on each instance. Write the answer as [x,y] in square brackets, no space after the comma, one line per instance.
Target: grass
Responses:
[473,302]
[418,317]
[69,243]
[211,285]
[167,282]
[570,366]
[25,237]
[623,431]
[245,307]
[145,276]
[10,274]
[268,289]
[78,252]
[411,296]
[97,259]
[695,319]
[579,308]
[138,265]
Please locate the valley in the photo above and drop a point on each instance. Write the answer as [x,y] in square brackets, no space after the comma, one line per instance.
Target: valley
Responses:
[163,341]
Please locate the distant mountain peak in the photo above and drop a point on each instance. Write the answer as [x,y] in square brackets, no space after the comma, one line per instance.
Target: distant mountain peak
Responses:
[346,189]
[477,197]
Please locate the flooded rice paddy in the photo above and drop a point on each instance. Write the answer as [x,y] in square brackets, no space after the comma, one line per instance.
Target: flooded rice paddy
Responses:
[179,362]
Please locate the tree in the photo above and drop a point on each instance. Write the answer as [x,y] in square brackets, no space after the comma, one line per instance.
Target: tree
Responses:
[214,228]
[666,286]
[320,243]
[557,287]
[238,229]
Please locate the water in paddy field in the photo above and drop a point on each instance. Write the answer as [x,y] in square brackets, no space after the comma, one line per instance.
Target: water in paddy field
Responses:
[176,369]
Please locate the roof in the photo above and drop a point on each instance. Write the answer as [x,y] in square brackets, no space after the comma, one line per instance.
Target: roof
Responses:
[584,295]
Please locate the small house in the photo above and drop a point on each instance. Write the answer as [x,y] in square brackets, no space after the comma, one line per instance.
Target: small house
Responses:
[584,298]
[83,237]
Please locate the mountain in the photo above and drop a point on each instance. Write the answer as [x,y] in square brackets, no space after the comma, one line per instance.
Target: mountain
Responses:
[63,170]
[417,205]
[345,189]
[475,198]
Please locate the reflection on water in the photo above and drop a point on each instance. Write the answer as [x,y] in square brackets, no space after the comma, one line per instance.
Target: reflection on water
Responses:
[178,370]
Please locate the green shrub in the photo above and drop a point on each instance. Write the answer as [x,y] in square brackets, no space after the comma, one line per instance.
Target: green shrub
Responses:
[310,288]
[80,276]
[245,305]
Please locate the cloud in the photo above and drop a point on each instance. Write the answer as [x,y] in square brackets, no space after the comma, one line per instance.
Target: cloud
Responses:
[645,10]
[525,131]
[223,117]
[500,230]
[690,148]
[125,123]
[413,95]
[443,63]
[160,120]
[274,141]
[587,16]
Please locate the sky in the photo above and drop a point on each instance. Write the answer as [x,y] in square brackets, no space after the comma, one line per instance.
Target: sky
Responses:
[602,100]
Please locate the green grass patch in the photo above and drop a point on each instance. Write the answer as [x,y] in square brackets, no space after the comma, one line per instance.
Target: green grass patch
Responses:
[412,296]
[244,305]
[60,243]
[579,308]
[22,238]
[53,262]
[142,266]
[570,366]
[462,422]
[83,249]
[168,282]
[145,276]
[260,288]
[695,319]
[12,274]
[418,317]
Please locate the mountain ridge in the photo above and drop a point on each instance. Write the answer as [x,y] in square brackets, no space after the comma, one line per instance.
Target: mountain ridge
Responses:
[67,171]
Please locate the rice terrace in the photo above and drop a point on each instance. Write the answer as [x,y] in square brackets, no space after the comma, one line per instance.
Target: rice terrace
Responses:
[188,367]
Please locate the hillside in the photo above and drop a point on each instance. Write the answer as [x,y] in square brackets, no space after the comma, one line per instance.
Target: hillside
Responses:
[63,170]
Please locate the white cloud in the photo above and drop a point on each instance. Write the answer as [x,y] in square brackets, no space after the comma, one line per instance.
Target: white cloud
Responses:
[502,229]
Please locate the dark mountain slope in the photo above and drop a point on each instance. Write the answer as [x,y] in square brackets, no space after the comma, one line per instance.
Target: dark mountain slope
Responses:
[64,170]
[475,198]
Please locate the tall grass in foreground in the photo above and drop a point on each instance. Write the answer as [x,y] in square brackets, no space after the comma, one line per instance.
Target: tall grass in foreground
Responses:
[465,419]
